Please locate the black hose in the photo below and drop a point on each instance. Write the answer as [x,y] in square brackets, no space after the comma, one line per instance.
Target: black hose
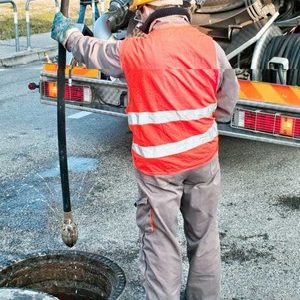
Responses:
[280,74]
[287,46]
[61,119]
[289,53]
[284,51]
[269,52]
[69,232]
[297,63]
[286,10]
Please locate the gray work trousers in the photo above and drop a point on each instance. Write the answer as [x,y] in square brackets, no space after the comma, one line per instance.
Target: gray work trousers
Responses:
[195,193]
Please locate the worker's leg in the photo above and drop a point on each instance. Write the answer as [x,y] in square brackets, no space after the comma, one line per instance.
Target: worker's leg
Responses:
[199,210]
[81,14]
[156,216]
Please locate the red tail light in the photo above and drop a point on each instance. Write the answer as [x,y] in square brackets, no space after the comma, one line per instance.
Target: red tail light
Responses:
[267,122]
[78,93]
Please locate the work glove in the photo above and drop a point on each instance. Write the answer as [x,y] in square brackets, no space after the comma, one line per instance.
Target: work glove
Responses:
[61,28]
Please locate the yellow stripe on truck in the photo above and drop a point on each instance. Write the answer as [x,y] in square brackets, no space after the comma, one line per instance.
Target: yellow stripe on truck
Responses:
[269,92]
[76,71]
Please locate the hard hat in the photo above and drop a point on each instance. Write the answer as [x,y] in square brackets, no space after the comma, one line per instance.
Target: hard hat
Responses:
[136,3]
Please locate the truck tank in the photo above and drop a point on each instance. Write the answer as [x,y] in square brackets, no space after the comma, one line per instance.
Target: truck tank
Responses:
[251,32]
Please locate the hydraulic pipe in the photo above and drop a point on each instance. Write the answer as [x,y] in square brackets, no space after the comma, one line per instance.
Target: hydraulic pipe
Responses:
[111,20]
[102,28]
[69,230]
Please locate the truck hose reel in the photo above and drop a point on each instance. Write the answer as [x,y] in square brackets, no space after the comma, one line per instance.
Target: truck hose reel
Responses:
[288,47]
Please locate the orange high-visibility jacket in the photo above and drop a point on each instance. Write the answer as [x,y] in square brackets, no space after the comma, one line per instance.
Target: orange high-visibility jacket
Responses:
[172,79]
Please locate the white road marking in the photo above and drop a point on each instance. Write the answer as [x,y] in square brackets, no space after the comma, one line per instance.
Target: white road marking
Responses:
[24,68]
[79,115]
[33,68]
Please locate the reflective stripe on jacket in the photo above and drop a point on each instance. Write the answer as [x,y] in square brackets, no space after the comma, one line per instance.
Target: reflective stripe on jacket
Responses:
[172,78]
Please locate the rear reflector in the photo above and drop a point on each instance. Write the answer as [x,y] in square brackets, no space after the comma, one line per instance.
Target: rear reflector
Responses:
[77,93]
[267,122]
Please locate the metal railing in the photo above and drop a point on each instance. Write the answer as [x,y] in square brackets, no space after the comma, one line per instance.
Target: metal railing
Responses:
[93,4]
[93,14]
[15,14]
[27,15]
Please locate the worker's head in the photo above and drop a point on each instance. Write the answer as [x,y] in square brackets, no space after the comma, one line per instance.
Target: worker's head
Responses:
[144,8]
[154,4]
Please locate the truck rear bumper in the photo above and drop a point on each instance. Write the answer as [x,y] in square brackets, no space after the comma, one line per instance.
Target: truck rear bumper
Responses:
[227,130]
[224,129]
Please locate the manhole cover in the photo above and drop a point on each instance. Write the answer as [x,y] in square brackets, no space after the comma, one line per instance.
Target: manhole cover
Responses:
[67,275]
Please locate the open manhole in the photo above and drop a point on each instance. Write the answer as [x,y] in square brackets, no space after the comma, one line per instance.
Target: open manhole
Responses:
[67,275]
[22,294]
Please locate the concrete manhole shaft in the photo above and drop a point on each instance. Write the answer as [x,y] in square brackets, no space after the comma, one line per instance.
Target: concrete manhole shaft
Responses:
[68,275]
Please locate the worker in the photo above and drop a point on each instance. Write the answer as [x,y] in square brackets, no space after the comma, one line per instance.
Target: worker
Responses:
[180,83]
[82,9]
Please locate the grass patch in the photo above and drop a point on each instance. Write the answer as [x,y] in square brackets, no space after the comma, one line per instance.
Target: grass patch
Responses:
[41,17]
[38,25]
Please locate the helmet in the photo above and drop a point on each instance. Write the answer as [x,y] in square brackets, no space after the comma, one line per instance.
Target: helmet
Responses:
[136,3]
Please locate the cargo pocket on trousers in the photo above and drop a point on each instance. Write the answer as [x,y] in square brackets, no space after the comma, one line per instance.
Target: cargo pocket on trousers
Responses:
[145,216]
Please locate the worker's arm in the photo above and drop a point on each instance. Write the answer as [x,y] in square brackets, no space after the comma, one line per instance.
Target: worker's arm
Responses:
[96,53]
[228,88]
[93,52]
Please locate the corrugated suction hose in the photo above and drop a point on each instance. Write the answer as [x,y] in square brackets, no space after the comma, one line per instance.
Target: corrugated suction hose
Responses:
[287,46]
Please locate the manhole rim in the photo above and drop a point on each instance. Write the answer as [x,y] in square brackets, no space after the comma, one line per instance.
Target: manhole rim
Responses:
[114,267]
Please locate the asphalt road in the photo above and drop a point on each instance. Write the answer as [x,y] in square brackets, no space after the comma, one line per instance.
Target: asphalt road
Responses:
[259,209]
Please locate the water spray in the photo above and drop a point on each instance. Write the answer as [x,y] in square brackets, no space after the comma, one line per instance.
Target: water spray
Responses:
[69,231]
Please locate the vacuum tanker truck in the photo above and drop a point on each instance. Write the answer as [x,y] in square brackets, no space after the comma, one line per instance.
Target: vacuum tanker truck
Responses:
[261,39]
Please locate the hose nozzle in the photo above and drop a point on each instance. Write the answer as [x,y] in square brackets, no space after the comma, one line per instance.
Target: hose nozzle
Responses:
[69,231]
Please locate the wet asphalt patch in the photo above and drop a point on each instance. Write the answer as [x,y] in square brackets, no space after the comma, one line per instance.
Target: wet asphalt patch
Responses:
[265,236]
[75,164]
[243,250]
[231,252]
[291,202]
[40,193]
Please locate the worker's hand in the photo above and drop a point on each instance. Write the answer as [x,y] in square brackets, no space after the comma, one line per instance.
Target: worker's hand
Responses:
[61,28]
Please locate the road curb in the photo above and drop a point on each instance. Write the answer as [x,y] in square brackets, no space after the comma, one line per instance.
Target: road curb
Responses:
[28,56]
